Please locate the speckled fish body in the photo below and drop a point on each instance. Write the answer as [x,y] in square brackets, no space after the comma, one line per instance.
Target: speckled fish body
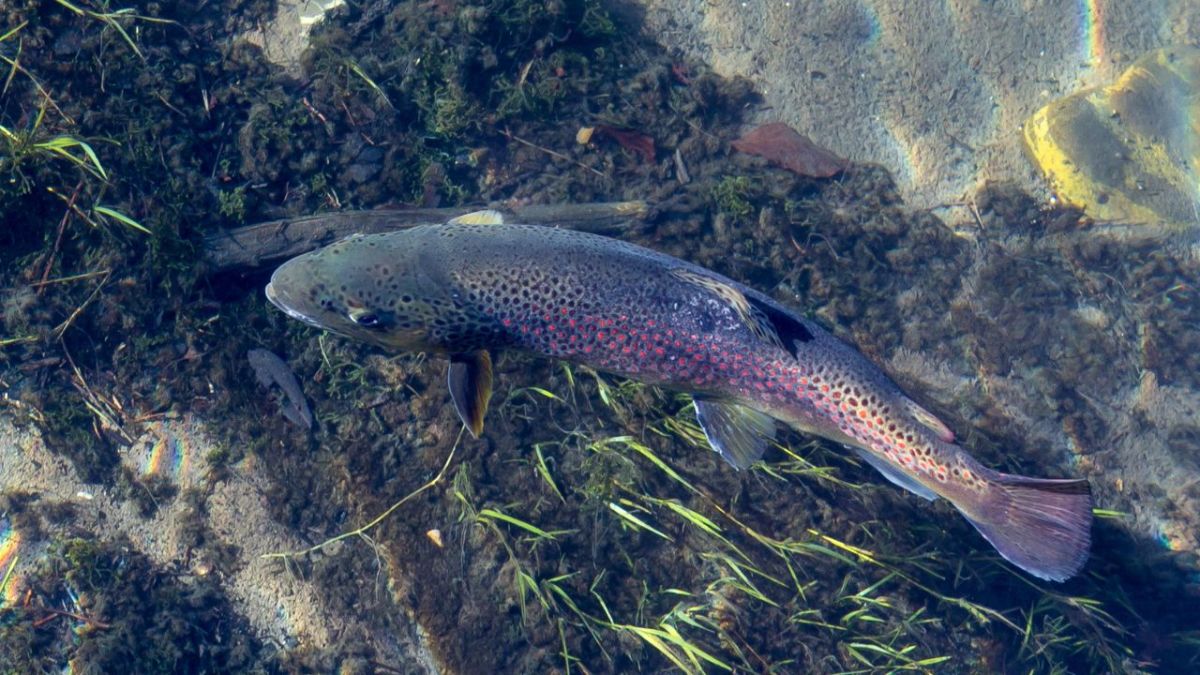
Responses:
[463,289]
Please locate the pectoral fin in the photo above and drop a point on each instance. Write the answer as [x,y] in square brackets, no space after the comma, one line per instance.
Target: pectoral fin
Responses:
[470,380]
[738,433]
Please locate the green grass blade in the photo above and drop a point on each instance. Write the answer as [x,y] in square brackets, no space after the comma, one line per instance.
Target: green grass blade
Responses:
[544,471]
[121,218]
[8,574]
[493,514]
[637,522]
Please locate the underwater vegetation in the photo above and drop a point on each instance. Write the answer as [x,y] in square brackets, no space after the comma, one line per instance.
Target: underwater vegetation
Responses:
[590,527]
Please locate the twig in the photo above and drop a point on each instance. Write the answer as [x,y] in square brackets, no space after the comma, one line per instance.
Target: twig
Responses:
[558,155]
[62,327]
[55,613]
[62,225]
[378,519]
[73,277]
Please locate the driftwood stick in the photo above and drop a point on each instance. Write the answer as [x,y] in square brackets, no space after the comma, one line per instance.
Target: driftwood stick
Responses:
[267,243]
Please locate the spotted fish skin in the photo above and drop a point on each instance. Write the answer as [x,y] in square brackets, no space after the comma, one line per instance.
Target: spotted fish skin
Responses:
[460,288]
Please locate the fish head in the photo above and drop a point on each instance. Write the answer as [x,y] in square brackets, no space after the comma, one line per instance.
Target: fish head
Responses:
[367,287]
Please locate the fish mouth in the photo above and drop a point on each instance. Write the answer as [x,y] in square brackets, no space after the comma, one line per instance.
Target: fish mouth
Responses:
[273,297]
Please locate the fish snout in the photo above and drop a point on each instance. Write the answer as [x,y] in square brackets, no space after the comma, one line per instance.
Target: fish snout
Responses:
[279,294]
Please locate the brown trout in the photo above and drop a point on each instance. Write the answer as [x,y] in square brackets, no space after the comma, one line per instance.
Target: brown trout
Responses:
[475,284]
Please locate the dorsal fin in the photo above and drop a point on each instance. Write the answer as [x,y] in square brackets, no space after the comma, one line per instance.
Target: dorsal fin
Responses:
[790,329]
[738,433]
[930,421]
[735,299]
[484,217]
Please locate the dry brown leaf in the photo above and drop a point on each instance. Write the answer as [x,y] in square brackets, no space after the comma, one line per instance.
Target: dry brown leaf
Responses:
[633,141]
[784,146]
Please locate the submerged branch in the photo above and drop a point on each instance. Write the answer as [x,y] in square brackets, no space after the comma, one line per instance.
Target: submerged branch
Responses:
[272,242]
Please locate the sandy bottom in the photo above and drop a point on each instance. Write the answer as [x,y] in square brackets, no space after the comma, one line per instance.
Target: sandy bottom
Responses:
[935,91]
[285,609]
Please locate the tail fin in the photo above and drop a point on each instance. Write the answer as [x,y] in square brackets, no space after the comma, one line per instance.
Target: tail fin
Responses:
[1041,525]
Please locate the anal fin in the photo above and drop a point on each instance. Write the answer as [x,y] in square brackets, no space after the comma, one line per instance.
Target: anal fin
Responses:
[892,474]
[469,378]
[738,433]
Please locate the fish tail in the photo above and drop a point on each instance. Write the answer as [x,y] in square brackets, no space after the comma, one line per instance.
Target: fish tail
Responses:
[1041,525]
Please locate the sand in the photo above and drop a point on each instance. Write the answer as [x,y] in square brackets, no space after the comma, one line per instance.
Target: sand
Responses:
[935,91]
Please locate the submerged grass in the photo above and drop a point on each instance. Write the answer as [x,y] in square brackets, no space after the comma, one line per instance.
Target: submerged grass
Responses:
[880,613]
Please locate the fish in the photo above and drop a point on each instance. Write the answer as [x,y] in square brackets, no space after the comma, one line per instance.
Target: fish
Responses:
[476,285]
[271,371]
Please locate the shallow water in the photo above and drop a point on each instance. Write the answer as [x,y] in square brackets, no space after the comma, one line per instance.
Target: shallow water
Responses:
[160,513]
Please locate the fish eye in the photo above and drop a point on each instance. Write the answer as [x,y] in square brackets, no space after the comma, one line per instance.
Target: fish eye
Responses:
[368,320]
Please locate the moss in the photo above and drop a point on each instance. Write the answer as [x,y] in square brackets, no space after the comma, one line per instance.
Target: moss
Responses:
[147,492]
[128,616]
[731,197]
[68,429]
[233,204]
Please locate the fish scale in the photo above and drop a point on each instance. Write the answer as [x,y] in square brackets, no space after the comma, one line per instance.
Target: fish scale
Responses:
[466,288]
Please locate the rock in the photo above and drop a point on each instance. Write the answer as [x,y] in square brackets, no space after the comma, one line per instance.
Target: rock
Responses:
[1128,151]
